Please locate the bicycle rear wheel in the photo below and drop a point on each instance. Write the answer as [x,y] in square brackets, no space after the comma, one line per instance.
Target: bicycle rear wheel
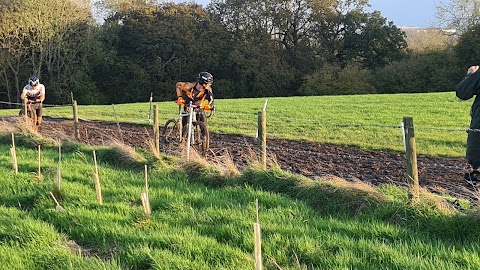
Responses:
[171,134]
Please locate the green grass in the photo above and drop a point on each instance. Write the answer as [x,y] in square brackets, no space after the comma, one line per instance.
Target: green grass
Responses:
[202,219]
[366,121]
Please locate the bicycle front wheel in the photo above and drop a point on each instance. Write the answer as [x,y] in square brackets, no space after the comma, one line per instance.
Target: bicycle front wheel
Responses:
[200,138]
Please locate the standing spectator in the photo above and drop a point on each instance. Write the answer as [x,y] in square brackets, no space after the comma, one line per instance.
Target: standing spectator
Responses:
[466,89]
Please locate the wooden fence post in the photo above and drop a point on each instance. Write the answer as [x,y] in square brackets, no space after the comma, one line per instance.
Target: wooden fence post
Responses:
[156,131]
[75,121]
[262,137]
[118,123]
[411,155]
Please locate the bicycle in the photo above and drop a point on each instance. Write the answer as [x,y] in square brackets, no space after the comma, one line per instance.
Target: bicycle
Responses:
[31,116]
[175,134]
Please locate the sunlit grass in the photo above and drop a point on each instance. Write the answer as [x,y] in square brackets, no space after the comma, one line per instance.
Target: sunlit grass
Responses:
[198,224]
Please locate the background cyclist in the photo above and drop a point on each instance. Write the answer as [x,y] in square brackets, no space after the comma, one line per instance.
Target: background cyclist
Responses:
[34,92]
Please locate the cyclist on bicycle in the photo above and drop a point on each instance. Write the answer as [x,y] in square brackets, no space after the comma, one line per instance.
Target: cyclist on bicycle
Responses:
[34,93]
[199,94]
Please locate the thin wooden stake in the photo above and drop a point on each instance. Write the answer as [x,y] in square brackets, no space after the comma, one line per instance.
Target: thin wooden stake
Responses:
[13,153]
[39,162]
[96,179]
[147,198]
[98,188]
[58,180]
[258,240]
[142,199]
[95,161]
[156,129]
[58,206]
[145,203]
[256,210]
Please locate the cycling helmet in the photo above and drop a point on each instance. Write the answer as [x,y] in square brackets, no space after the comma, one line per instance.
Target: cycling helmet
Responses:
[205,78]
[33,80]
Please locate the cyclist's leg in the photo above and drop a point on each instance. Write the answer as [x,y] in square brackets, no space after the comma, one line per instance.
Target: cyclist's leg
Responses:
[185,118]
[201,116]
[39,111]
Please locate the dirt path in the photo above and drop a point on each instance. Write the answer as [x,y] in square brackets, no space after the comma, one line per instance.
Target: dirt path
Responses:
[437,174]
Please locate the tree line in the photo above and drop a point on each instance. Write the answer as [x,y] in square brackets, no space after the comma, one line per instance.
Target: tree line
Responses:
[254,48]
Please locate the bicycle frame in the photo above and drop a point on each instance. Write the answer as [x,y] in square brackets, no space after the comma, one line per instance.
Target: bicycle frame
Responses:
[194,133]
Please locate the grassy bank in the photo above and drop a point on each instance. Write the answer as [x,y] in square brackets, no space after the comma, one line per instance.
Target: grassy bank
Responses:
[202,216]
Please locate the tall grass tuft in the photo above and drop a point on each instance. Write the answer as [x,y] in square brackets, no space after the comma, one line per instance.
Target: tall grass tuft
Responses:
[121,155]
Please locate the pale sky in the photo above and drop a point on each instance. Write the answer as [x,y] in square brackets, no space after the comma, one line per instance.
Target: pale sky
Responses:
[416,13]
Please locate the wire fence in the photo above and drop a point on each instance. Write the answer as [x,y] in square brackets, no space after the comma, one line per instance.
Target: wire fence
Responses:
[280,126]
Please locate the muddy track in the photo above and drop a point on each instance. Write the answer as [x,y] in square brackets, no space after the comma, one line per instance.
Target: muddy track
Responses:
[437,174]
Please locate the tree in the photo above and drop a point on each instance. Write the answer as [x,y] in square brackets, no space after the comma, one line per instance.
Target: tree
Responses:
[370,41]
[44,38]
[158,44]
[467,49]
[458,14]
[428,40]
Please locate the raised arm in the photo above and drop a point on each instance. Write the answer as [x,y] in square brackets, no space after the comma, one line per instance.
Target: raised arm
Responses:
[470,85]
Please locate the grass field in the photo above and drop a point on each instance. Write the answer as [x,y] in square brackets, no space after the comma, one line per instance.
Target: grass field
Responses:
[366,121]
[203,215]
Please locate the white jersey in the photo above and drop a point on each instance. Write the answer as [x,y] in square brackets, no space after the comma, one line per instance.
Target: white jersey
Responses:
[34,92]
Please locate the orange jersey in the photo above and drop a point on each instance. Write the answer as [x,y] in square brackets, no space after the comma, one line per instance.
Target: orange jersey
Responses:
[189,92]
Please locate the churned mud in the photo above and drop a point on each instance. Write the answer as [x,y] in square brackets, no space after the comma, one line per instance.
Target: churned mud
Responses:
[438,175]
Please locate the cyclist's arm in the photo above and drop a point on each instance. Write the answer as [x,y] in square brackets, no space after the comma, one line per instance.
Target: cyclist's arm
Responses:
[209,96]
[23,95]
[183,89]
[41,98]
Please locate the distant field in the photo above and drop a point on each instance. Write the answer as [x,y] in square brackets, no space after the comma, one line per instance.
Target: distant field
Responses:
[366,121]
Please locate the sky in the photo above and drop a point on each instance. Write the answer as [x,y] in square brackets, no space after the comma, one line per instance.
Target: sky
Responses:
[413,13]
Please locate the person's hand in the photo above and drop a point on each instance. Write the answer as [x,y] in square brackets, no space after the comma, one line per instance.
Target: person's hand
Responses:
[472,69]
[180,101]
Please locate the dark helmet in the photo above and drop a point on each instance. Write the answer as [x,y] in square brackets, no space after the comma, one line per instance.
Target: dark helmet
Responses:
[33,80]
[205,78]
